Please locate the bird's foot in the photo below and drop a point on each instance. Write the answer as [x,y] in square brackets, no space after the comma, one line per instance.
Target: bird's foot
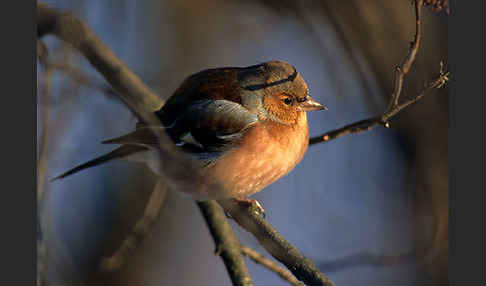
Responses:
[254,205]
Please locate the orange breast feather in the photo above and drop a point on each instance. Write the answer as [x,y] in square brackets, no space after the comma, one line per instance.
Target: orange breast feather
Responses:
[268,151]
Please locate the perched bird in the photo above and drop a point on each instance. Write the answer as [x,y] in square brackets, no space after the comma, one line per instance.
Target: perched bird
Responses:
[247,126]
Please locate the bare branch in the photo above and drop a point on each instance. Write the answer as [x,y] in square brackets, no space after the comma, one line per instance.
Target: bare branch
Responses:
[403,70]
[370,123]
[227,244]
[394,106]
[72,30]
[438,83]
[271,265]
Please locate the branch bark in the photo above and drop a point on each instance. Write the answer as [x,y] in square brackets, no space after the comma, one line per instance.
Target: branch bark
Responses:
[271,265]
[227,244]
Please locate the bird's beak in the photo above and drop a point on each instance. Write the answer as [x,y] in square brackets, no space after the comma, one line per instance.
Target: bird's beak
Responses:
[311,104]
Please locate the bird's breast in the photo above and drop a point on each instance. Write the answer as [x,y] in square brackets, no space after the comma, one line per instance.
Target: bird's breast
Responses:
[266,152]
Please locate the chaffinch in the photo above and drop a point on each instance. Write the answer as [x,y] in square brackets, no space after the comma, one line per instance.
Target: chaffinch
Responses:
[248,127]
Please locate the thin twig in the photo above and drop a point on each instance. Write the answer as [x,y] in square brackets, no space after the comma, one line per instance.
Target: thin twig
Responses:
[227,244]
[370,123]
[271,265]
[438,83]
[394,106]
[403,70]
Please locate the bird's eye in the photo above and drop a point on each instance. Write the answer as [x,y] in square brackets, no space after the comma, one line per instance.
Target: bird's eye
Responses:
[288,101]
[302,99]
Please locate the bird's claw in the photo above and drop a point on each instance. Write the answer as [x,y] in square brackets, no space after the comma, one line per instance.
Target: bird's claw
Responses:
[254,205]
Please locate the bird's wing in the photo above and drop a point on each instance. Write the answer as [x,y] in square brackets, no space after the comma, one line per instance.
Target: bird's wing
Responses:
[204,117]
[204,129]
[212,124]
[205,126]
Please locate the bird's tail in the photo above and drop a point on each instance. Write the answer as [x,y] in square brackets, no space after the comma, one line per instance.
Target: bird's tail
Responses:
[120,152]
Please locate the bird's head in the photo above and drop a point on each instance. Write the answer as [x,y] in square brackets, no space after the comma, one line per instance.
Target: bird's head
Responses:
[276,91]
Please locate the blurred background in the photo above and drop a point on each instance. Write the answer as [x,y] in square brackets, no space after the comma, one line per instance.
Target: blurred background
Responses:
[368,209]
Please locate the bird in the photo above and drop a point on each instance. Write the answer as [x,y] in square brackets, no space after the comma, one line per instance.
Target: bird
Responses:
[247,126]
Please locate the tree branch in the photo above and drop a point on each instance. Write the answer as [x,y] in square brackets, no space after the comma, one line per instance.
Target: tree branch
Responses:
[394,106]
[271,265]
[370,123]
[75,32]
[227,244]
[402,70]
